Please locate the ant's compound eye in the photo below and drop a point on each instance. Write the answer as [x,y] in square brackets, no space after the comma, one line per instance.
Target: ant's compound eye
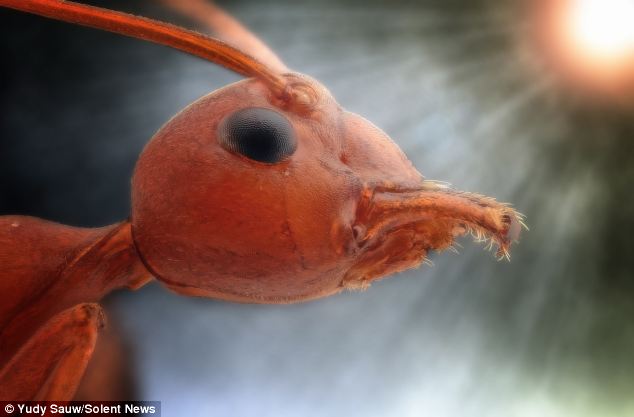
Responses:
[260,134]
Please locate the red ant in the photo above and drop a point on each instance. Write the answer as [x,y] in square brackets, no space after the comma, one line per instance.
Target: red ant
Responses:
[264,191]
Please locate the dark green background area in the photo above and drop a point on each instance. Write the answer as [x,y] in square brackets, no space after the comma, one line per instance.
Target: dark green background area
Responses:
[549,334]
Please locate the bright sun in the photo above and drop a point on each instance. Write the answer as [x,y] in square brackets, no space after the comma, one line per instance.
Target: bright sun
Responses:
[602,28]
[586,44]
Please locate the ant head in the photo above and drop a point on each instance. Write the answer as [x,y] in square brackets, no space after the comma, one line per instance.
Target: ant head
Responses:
[250,196]
[267,190]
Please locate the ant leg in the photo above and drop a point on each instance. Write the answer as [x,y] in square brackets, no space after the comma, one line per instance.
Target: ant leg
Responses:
[51,364]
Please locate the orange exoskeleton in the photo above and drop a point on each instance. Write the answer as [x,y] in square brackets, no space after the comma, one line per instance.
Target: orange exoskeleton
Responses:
[264,191]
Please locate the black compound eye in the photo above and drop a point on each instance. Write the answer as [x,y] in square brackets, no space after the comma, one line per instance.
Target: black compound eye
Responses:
[259,134]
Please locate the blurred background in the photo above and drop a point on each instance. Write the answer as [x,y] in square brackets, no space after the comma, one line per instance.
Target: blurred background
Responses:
[529,102]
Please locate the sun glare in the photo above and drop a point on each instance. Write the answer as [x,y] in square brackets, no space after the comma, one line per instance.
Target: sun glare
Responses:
[603,28]
[587,45]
